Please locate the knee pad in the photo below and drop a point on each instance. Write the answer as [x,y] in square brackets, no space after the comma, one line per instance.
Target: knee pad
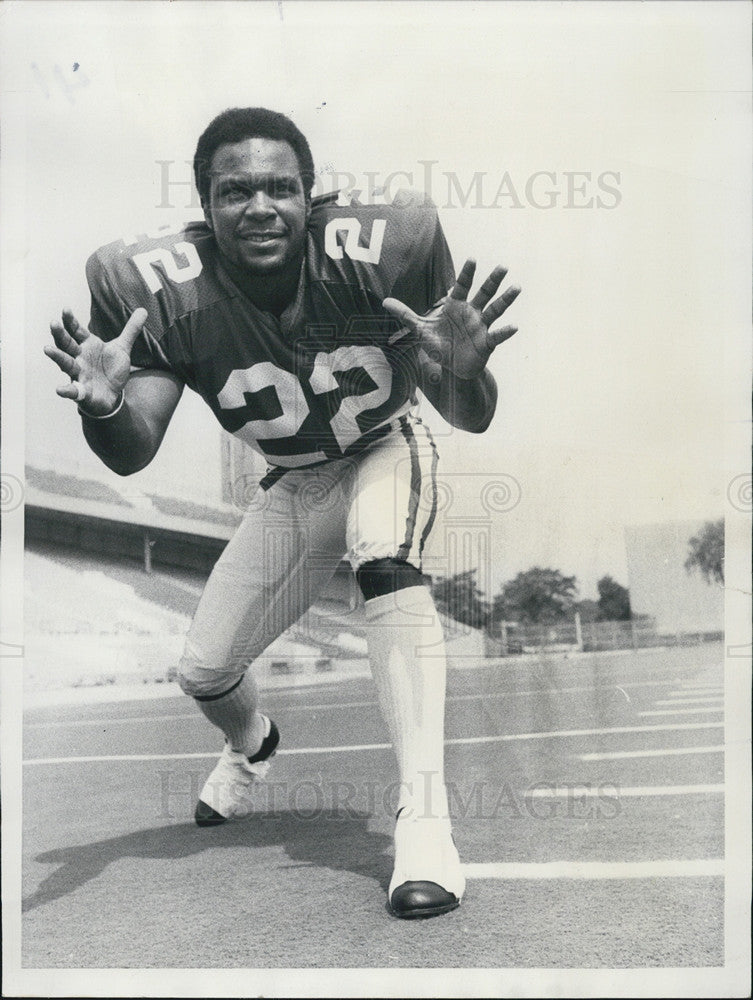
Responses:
[385,576]
[197,679]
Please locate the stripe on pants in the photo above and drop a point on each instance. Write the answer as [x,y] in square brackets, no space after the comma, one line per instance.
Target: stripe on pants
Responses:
[433,513]
[415,489]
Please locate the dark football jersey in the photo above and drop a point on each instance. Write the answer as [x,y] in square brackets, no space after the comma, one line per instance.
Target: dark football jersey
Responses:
[307,386]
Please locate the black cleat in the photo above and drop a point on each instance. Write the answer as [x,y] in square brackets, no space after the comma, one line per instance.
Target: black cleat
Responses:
[428,878]
[228,791]
[206,816]
[414,900]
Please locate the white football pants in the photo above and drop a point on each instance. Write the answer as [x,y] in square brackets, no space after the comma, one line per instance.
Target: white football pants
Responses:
[380,504]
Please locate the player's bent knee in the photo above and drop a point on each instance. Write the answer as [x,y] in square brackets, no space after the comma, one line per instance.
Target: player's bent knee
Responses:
[386,576]
[200,680]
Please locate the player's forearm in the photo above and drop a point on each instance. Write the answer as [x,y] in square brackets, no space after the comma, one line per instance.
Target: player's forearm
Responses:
[468,404]
[124,441]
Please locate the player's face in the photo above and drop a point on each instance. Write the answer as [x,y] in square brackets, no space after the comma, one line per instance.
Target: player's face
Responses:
[258,207]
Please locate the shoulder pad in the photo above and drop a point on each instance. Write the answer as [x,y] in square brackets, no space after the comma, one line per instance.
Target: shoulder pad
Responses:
[168,271]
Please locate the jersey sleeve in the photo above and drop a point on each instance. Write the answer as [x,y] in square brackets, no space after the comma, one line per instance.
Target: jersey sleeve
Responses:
[427,273]
[110,312]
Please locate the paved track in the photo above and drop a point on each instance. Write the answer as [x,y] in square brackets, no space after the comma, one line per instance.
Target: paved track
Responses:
[593,829]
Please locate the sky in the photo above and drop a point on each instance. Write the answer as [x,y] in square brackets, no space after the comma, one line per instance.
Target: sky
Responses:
[599,151]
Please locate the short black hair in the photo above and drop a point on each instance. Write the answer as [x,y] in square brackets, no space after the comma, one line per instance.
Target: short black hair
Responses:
[237,124]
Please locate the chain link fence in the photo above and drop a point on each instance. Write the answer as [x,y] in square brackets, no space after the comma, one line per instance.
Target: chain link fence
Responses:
[592,636]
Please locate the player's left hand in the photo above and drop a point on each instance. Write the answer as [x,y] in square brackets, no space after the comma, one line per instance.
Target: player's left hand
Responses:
[458,333]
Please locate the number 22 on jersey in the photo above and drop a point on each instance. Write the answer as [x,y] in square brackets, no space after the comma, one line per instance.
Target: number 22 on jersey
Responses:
[292,400]
[179,272]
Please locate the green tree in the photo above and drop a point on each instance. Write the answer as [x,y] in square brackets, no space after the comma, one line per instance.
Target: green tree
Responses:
[706,552]
[614,601]
[459,597]
[540,596]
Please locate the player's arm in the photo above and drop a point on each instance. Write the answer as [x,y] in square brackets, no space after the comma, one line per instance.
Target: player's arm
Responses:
[468,404]
[456,344]
[124,414]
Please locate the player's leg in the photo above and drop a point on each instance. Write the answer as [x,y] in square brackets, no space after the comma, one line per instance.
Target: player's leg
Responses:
[391,518]
[262,583]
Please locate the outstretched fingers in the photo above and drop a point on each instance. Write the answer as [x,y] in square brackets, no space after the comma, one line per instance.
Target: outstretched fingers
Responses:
[496,337]
[78,332]
[63,360]
[483,296]
[70,391]
[64,355]
[403,314]
[499,305]
[63,340]
[464,281]
[133,328]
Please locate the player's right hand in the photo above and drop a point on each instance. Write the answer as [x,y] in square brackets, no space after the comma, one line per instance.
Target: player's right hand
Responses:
[98,369]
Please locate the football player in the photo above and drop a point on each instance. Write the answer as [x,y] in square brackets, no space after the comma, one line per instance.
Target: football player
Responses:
[307,325]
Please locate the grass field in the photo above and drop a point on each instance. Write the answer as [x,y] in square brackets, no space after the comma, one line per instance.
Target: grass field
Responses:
[588,803]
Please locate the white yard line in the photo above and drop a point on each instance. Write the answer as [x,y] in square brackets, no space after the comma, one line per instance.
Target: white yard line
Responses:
[465,741]
[709,682]
[697,693]
[105,722]
[638,791]
[681,711]
[586,732]
[664,752]
[708,700]
[704,868]
[321,706]
[711,686]
[121,757]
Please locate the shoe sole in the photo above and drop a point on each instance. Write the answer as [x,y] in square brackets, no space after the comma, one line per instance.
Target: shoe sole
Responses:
[425,912]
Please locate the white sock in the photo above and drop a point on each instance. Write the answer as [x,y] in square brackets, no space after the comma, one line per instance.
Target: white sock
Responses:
[426,852]
[408,662]
[235,714]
